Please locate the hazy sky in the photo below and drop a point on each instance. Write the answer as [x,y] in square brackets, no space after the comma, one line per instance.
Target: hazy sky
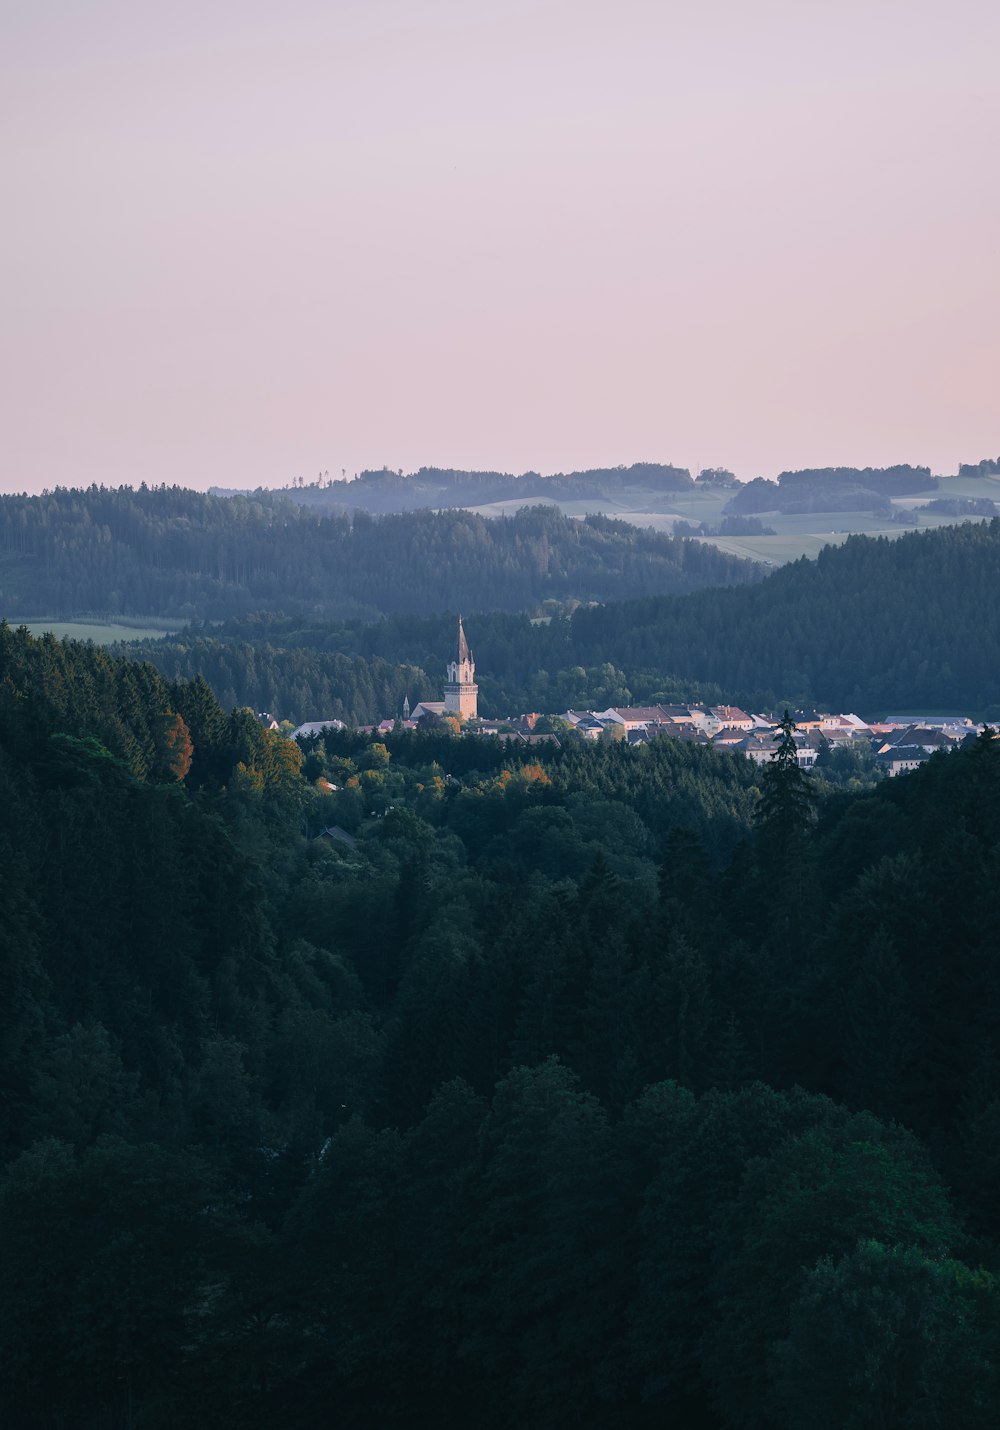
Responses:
[245,242]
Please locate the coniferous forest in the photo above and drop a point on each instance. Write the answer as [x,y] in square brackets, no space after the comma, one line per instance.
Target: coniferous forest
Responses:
[423,1082]
[873,624]
[166,551]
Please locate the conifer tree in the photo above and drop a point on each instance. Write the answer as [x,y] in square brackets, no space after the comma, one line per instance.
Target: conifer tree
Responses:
[787,801]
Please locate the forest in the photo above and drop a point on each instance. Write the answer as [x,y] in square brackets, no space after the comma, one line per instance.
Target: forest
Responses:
[909,623]
[420,1082]
[833,489]
[165,551]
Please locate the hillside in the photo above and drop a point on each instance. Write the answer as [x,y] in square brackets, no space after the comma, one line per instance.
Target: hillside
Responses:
[911,623]
[170,552]
[796,515]
[550,1092]
[387,491]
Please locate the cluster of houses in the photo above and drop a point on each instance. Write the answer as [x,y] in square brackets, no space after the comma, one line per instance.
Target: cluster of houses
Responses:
[899,742]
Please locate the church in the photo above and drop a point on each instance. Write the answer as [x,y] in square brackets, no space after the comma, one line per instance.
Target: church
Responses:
[461,693]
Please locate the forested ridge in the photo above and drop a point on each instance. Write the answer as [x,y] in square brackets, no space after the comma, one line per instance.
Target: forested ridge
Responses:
[165,551]
[874,623]
[385,490]
[586,1087]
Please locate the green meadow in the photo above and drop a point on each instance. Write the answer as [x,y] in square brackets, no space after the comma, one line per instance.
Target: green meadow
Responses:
[101,632]
[801,534]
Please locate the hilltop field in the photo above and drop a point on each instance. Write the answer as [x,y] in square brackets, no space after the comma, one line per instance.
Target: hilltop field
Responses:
[796,535]
[872,501]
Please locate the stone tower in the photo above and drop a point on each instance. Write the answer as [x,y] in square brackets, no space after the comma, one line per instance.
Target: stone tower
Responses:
[461,693]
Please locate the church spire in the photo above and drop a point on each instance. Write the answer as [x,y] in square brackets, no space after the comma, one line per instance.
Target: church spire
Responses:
[461,691]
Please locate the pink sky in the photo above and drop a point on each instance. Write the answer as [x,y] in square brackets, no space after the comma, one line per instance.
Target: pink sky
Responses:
[246,242]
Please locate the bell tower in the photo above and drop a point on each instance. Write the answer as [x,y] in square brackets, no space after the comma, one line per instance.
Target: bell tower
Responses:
[461,693]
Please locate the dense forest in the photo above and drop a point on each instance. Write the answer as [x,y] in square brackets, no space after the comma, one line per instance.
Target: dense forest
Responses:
[584,1087]
[874,623]
[988,467]
[169,552]
[833,489]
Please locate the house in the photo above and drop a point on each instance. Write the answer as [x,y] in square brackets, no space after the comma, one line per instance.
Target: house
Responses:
[958,723]
[642,717]
[333,834]
[761,746]
[526,723]
[921,737]
[586,724]
[316,727]
[900,759]
[729,736]
[850,723]
[809,719]
[632,717]
[731,717]
[689,735]
[758,746]
[267,720]
[683,714]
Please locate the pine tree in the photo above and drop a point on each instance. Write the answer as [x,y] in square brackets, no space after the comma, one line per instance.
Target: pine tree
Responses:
[787,800]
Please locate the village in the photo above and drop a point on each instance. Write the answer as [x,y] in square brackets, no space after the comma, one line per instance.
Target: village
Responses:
[898,743]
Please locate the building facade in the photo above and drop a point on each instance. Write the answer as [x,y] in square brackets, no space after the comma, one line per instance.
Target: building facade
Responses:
[461,693]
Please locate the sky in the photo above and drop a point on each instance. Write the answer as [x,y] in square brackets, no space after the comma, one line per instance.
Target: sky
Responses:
[245,243]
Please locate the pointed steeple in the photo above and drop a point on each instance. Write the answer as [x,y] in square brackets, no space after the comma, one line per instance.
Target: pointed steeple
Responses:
[406,707]
[461,691]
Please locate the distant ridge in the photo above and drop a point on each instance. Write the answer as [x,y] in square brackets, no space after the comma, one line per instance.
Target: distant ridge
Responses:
[169,552]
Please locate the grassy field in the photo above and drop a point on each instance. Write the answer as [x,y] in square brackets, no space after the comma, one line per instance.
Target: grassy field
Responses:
[100,632]
[799,535]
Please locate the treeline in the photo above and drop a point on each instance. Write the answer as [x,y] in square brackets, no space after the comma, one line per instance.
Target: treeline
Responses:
[871,624]
[988,467]
[166,551]
[602,1087]
[832,489]
[360,673]
[387,491]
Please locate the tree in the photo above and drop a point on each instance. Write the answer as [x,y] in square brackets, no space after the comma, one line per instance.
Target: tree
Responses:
[788,800]
[889,1336]
[174,748]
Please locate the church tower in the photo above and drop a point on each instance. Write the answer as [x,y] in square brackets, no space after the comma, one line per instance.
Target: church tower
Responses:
[461,693]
